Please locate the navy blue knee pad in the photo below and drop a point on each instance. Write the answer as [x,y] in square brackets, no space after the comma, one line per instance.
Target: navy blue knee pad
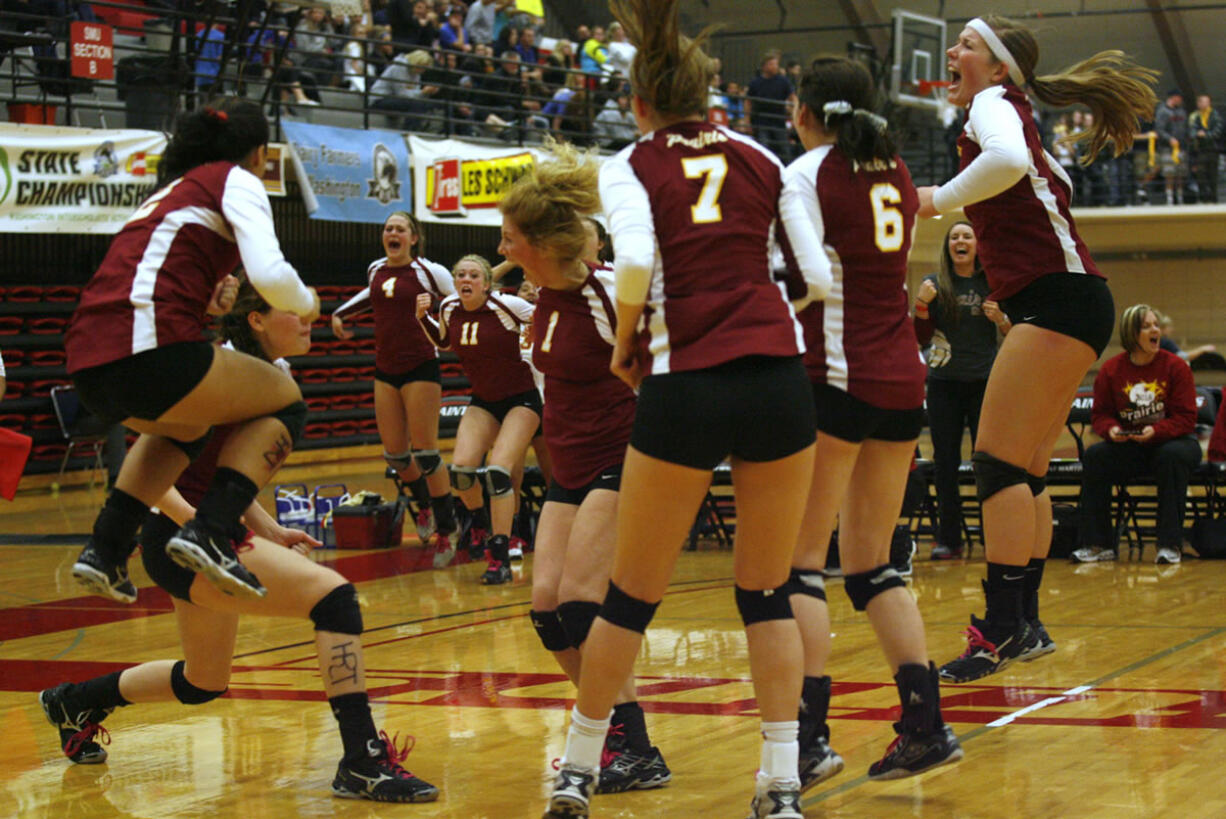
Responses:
[810,582]
[187,693]
[293,417]
[1037,483]
[577,617]
[498,481]
[192,449]
[761,605]
[338,611]
[630,613]
[428,460]
[993,475]
[864,586]
[549,629]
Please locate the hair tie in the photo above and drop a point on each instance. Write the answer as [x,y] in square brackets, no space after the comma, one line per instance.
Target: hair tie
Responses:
[835,108]
[879,122]
[220,116]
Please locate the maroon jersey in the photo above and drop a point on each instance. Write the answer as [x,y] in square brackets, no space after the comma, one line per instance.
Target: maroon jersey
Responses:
[710,201]
[486,341]
[1027,231]
[589,412]
[861,338]
[155,283]
[400,343]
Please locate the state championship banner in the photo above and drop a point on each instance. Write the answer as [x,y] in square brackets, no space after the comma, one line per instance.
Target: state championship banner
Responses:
[348,175]
[74,180]
[459,180]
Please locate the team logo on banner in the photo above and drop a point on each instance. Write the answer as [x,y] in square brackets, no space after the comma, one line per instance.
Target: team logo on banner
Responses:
[385,186]
[447,199]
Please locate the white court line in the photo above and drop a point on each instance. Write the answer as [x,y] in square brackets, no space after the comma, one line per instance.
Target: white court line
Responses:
[1008,718]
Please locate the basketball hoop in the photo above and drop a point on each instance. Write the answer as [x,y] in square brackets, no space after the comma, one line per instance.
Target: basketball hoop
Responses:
[938,90]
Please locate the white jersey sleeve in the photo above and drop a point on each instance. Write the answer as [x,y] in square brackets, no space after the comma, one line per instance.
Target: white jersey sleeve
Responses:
[244,203]
[628,209]
[994,125]
[434,278]
[803,225]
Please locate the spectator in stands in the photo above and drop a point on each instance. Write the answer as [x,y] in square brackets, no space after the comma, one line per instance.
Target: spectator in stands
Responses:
[454,93]
[382,51]
[315,48]
[413,24]
[595,52]
[354,65]
[208,59]
[1168,341]
[954,313]
[1171,126]
[769,98]
[736,102]
[1145,412]
[558,63]
[528,52]
[293,86]
[621,50]
[503,98]
[452,34]
[1205,129]
[1092,170]
[481,18]
[615,127]
[556,109]
[400,89]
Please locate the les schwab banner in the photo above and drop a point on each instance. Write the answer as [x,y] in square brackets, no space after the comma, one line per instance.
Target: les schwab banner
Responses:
[85,180]
[455,180]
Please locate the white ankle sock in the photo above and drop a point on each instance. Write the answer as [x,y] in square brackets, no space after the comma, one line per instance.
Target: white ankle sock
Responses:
[585,740]
[780,751]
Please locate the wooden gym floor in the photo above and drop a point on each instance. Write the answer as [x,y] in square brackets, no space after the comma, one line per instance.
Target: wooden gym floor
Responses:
[1126,719]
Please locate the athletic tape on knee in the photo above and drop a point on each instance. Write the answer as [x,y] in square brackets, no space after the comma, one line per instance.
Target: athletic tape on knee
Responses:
[428,460]
[760,605]
[192,449]
[810,582]
[294,418]
[187,693]
[863,587]
[398,462]
[338,611]
[1037,483]
[498,481]
[462,477]
[576,617]
[993,475]
[630,613]
[549,628]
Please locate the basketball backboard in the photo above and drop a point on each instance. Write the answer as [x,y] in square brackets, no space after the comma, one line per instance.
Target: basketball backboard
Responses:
[918,51]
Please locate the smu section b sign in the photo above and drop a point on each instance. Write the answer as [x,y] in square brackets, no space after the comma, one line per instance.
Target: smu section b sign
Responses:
[91,52]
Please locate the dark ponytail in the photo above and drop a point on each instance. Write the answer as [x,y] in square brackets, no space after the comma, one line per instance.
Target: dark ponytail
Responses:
[840,93]
[228,128]
[234,326]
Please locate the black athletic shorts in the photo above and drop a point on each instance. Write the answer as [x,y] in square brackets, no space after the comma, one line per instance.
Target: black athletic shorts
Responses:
[499,409]
[609,478]
[1073,304]
[847,418]
[756,408]
[422,372]
[154,535]
[144,385]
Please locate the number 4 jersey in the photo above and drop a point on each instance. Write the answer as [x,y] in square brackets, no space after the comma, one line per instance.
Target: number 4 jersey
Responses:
[861,338]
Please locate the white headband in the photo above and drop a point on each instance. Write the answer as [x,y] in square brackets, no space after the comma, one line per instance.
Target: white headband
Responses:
[998,49]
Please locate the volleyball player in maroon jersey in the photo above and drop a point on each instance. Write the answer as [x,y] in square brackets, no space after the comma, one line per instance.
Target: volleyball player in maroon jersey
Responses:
[702,322]
[483,330]
[1017,198]
[408,387]
[868,386]
[208,619]
[137,354]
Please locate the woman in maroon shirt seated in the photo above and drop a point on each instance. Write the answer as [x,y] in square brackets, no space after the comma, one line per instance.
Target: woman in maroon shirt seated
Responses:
[1145,412]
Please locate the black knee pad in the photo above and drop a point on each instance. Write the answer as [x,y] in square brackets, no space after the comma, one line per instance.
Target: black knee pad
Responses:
[577,617]
[398,462]
[338,611]
[294,418]
[428,460]
[498,481]
[810,582]
[864,586]
[992,475]
[763,604]
[549,629]
[463,477]
[630,613]
[1037,483]
[192,449]
[187,693]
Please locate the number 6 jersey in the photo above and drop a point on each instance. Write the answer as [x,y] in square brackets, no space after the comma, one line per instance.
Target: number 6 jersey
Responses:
[861,338]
